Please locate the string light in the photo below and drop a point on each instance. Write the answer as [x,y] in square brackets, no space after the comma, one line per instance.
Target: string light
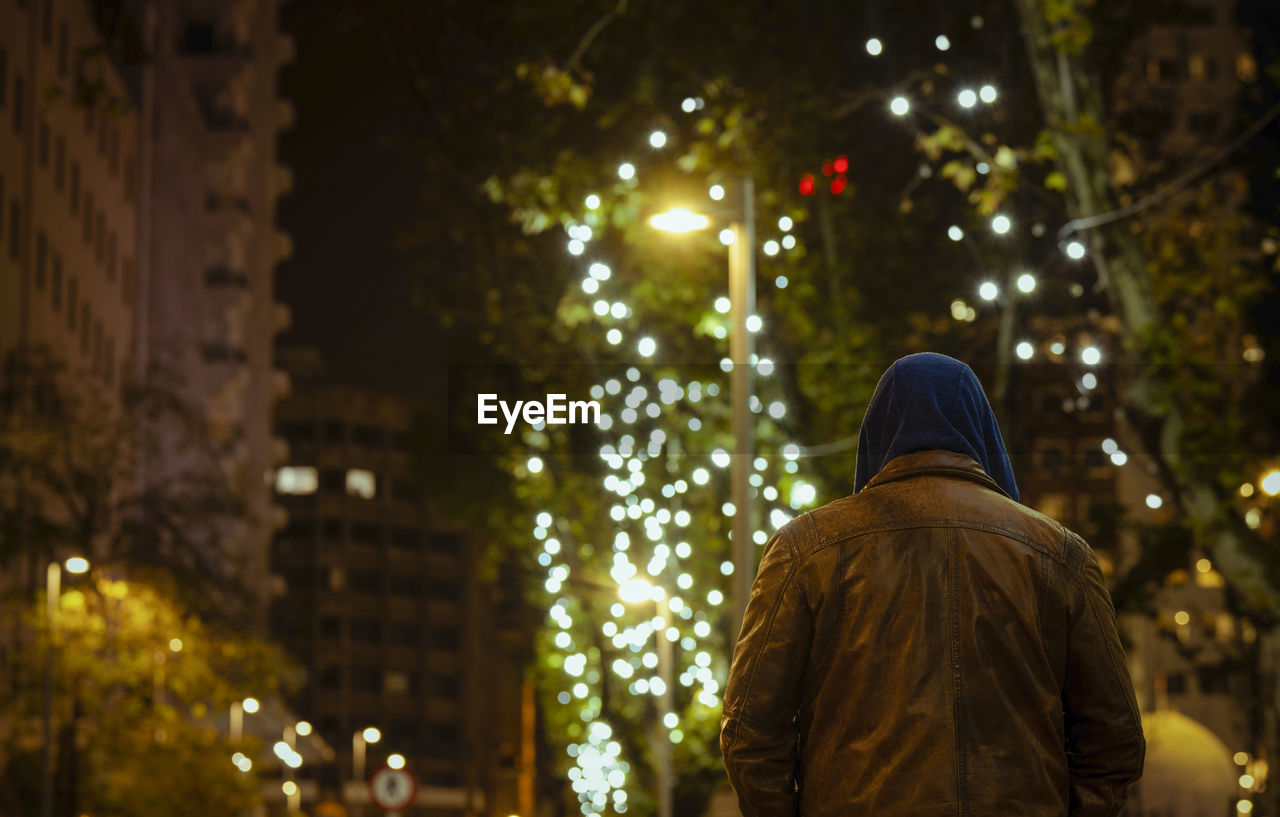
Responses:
[874,47]
[900,106]
[967,98]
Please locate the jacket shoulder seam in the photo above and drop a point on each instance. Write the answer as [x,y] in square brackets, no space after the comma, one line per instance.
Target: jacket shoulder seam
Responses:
[940,523]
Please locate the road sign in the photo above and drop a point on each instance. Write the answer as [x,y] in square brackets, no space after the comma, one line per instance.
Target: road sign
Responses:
[392,789]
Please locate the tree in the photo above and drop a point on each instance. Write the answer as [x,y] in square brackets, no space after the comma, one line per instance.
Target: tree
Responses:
[146,654]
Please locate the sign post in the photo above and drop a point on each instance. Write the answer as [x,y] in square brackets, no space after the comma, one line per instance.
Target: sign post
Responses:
[392,790]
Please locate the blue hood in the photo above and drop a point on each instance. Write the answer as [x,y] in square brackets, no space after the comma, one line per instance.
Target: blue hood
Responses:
[926,402]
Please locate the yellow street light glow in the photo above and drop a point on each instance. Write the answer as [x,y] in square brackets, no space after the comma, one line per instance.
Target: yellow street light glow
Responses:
[1203,566]
[289,788]
[679,220]
[1182,617]
[79,564]
[1244,806]
[250,705]
[1271,483]
[1246,781]
[371,734]
[396,761]
[1241,758]
[302,728]
[175,645]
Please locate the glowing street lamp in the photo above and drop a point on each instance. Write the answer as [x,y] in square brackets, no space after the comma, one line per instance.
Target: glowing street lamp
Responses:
[742,296]
[53,599]
[680,220]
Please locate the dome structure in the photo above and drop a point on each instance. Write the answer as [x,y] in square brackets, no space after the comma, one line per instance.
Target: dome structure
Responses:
[1188,771]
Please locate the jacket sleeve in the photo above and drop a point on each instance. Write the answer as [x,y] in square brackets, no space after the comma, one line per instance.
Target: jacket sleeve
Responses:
[1105,744]
[757,729]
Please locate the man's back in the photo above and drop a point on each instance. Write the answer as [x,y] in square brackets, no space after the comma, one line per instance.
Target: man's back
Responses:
[943,649]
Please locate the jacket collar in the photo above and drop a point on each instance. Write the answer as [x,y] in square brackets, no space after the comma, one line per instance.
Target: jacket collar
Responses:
[935,462]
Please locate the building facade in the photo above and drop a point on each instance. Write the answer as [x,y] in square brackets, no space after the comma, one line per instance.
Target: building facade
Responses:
[383,607]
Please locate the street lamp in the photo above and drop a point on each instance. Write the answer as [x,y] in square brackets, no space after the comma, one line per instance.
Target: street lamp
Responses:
[742,300]
[53,599]
[359,745]
[235,718]
[635,591]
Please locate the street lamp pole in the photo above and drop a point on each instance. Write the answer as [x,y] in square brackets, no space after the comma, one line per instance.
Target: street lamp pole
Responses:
[666,777]
[742,303]
[53,593]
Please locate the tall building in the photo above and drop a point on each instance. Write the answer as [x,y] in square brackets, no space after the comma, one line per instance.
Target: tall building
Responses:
[138,183]
[383,606]
[209,191]
[69,145]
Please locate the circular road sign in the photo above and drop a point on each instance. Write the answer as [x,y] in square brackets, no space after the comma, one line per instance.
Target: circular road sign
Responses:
[392,789]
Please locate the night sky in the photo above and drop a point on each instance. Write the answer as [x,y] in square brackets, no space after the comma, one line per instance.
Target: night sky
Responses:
[355,179]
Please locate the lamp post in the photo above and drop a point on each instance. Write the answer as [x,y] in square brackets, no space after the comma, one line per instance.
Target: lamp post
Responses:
[638,590]
[742,301]
[359,746]
[53,598]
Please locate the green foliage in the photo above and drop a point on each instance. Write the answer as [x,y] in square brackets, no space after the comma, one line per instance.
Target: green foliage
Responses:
[140,687]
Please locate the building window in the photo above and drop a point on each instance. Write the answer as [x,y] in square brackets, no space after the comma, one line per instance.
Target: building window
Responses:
[361,483]
[368,436]
[296,480]
[111,256]
[364,581]
[331,480]
[130,183]
[87,235]
[443,591]
[72,287]
[109,360]
[366,533]
[99,237]
[445,542]
[4,73]
[42,150]
[405,634]
[85,327]
[15,230]
[102,136]
[331,528]
[17,103]
[97,346]
[113,153]
[64,49]
[1246,67]
[59,162]
[406,537]
[365,679]
[55,288]
[334,431]
[331,677]
[126,281]
[46,23]
[330,627]
[398,682]
[75,187]
[366,630]
[405,585]
[42,260]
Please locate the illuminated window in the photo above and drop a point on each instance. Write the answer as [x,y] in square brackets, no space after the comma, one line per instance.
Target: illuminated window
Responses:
[397,683]
[1246,67]
[361,483]
[296,480]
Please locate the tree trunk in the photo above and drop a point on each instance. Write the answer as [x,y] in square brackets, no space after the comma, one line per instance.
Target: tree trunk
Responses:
[1070,98]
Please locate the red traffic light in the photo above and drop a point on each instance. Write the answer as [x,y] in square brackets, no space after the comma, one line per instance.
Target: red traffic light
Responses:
[841,165]
[806,185]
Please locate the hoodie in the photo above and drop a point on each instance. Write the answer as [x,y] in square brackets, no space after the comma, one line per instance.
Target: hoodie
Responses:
[929,401]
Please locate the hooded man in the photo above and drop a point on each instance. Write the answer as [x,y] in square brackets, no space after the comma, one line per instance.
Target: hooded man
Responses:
[928,646]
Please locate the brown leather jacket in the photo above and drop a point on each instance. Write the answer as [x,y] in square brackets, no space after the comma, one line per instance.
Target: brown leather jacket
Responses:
[928,647]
